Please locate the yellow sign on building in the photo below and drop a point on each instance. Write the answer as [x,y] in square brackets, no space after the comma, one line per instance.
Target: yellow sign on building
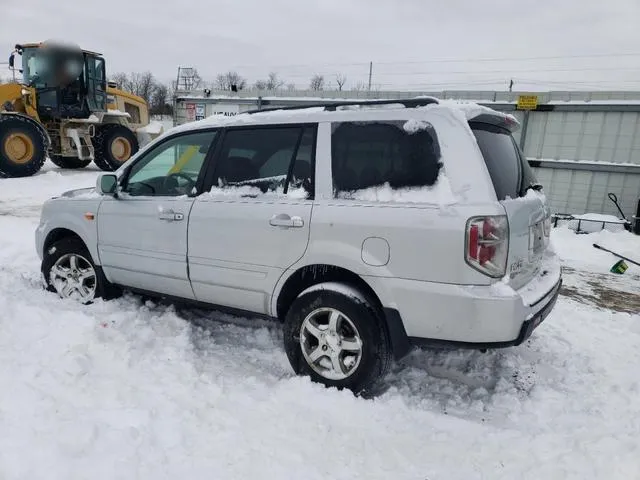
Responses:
[527,102]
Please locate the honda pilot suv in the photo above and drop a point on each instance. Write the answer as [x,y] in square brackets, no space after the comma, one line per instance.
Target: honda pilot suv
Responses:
[365,227]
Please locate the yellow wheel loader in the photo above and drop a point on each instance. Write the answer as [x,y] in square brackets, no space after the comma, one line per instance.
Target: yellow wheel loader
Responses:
[64,109]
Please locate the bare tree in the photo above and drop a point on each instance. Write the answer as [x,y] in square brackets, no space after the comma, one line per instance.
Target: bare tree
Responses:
[360,86]
[142,84]
[273,82]
[341,79]
[317,82]
[226,81]
[291,87]
[121,80]
[260,85]
[160,100]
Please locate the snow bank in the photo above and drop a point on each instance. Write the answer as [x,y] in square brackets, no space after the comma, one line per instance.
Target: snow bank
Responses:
[577,250]
[154,128]
[149,132]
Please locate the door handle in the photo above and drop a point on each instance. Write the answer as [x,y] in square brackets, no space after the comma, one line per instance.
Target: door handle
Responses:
[284,220]
[170,216]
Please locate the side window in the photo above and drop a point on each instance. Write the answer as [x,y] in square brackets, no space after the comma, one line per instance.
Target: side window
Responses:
[172,168]
[263,160]
[400,154]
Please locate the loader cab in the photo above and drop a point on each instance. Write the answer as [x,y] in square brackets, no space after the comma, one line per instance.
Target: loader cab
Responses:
[69,82]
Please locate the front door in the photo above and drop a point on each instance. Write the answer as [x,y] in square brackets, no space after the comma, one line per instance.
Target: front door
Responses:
[142,234]
[254,222]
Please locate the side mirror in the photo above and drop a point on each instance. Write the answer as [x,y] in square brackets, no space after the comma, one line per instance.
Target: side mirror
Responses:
[107,184]
[12,60]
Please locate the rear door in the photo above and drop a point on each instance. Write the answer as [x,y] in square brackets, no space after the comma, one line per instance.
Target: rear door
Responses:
[517,190]
[254,221]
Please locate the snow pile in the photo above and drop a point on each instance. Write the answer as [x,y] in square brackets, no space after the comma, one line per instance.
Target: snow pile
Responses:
[154,128]
[414,126]
[149,132]
[438,194]
[577,250]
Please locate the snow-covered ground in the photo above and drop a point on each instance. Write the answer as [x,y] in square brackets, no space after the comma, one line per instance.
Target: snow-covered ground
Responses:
[130,389]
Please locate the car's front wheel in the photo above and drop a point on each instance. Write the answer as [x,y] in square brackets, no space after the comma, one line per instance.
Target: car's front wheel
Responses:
[69,270]
[336,335]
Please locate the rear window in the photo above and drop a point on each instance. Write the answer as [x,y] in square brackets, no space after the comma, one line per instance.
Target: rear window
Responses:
[509,170]
[398,153]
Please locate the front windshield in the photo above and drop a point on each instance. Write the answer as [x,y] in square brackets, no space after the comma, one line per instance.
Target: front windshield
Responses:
[45,68]
[33,67]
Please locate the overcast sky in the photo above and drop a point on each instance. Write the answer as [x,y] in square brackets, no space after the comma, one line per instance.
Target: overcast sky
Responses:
[417,44]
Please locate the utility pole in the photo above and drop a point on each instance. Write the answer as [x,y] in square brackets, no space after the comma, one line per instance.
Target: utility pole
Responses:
[370,73]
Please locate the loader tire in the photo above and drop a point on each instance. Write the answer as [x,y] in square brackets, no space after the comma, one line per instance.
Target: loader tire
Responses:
[113,145]
[23,146]
[68,162]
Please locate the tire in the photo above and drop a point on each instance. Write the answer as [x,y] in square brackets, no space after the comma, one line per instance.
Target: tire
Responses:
[58,264]
[315,307]
[23,146]
[69,162]
[112,138]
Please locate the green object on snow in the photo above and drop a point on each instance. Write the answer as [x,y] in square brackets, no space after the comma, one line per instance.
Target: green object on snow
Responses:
[619,267]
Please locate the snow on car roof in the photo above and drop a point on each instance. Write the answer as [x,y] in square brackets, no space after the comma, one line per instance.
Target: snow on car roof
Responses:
[469,109]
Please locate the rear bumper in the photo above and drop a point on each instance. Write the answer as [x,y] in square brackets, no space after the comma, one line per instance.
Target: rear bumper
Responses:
[472,316]
[528,326]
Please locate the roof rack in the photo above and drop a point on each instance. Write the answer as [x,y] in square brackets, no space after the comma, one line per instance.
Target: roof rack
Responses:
[331,106]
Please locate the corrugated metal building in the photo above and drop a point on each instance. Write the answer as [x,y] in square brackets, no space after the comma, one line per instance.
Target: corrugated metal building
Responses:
[582,145]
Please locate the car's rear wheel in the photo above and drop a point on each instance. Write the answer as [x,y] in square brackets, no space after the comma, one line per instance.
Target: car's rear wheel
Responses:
[337,337]
[69,270]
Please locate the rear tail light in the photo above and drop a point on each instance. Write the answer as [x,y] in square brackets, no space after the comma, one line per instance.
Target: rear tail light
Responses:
[487,244]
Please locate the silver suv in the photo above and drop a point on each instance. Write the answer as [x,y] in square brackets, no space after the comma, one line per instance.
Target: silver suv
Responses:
[365,227]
